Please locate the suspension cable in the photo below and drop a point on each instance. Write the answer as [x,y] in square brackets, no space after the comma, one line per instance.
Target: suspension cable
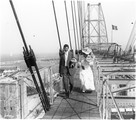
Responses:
[68,24]
[80,11]
[56,24]
[73,25]
[18,24]
[30,61]
[76,24]
[79,21]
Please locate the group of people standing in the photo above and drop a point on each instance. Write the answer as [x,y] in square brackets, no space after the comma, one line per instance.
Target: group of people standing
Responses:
[85,75]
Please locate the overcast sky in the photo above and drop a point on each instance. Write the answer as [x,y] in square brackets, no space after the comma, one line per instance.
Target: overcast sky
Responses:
[38,24]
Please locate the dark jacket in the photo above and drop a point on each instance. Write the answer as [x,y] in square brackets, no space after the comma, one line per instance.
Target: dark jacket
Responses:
[62,60]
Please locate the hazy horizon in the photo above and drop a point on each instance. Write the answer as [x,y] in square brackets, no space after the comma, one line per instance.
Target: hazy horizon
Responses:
[17,56]
[38,24]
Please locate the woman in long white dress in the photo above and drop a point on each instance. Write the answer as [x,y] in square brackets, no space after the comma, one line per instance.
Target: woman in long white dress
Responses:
[86,73]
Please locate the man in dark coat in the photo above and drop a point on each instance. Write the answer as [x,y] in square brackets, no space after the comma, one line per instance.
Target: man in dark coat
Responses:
[65,57]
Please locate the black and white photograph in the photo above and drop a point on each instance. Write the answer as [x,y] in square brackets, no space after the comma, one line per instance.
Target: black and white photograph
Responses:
[68,59]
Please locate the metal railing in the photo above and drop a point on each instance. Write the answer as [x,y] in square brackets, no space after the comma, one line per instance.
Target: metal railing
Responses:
[103,91]
[106,91]
[51,80]
[52,83]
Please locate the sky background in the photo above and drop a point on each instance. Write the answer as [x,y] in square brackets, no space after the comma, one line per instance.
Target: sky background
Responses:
[38,24]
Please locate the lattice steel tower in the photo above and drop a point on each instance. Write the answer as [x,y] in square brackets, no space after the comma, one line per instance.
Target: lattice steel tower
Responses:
[94,30]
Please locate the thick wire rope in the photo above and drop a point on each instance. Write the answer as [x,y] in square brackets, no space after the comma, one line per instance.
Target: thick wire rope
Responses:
[76,25]
[68,25]
[73,25]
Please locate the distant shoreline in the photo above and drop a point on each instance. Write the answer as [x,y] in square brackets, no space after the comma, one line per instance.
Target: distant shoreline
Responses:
[19,57]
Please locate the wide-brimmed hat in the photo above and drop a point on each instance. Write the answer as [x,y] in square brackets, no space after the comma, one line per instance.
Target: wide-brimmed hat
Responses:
[87,50]
[73,60]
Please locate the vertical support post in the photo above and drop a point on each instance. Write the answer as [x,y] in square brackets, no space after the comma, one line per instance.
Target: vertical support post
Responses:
[17,100]
[88,6]
[23,97]
[111,35]
[103,100]
[120,52]
[61,84]
[117,50]
[97,85]
[99,93]
[51,86]
[99,39]
[8,101]
[44,78]
[107,101]
[20,100]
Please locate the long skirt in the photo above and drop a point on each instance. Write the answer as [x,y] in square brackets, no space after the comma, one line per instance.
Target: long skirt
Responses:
[87,79]
[84,79]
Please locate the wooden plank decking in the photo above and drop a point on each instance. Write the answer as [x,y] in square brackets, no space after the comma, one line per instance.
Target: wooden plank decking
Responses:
[78,106]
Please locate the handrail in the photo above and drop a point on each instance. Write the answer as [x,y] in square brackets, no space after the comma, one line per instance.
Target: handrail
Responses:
[102,90]
[51,82]
[124,88]
[111,94]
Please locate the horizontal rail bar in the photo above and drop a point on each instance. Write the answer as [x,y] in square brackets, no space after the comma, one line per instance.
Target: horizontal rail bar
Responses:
[121,64]
[121,81]
[122,89]
[123,97]
[118,65]
[118,72]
